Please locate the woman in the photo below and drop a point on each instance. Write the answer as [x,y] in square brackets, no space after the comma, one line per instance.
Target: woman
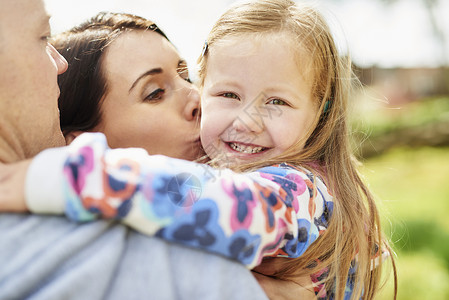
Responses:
[126,80]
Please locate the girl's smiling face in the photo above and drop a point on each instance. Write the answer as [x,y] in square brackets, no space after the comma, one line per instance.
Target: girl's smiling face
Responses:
[256,99]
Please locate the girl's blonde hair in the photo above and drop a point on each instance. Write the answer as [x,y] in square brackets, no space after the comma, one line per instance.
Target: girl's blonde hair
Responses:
[354,230]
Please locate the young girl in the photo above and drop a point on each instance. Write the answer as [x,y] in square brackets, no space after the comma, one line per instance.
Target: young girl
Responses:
[275,95]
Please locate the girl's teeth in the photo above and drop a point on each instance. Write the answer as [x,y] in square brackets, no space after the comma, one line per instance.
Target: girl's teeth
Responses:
[245,149]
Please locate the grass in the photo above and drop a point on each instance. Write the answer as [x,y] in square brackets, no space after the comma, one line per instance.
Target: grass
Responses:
[378,117]
[413,191]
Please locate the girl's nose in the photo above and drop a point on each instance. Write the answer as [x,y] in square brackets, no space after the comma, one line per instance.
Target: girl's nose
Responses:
[192,107]
[248,121]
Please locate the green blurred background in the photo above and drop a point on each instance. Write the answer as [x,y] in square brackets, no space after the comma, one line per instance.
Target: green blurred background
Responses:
[401,124]
[405,149]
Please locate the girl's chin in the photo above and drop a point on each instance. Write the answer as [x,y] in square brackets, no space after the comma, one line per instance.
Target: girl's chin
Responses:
[237,160]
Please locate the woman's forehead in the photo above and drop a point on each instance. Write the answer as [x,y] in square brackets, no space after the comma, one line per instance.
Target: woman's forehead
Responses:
[139,47]
[135,53]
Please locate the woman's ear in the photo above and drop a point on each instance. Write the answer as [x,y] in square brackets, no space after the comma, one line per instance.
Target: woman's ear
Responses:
[70,136]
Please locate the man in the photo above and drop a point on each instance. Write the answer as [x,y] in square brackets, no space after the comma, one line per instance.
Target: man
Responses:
[50,257]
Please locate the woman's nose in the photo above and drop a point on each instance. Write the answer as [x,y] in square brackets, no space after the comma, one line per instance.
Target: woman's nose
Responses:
[192,108]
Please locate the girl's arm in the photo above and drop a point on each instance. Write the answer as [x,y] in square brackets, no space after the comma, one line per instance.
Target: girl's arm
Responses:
[242,216]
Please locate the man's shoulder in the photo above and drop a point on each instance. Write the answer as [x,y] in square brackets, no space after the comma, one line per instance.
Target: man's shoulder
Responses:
[39,254]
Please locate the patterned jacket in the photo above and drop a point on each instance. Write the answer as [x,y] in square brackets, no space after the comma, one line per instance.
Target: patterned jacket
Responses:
[274,211]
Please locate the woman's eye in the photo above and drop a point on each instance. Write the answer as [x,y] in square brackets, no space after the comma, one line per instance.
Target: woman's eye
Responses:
[229,95]
[155,95]
[277,102]
[184,73]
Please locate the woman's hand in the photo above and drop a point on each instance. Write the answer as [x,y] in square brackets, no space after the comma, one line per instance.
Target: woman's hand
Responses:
[12,186]
[297,289]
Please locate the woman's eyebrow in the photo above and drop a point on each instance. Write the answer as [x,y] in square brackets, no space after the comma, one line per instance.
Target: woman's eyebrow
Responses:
[147,73]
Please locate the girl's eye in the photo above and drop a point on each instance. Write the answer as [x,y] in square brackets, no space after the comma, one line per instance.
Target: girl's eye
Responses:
[277,102]
[155,95]
[229,95]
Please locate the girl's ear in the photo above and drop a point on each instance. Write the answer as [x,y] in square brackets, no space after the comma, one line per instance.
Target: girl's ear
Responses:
[69,137]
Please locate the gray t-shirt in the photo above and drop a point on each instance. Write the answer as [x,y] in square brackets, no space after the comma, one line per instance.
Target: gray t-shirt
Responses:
[43,257]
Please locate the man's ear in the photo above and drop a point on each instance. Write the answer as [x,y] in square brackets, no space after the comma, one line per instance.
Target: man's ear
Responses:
[69,137]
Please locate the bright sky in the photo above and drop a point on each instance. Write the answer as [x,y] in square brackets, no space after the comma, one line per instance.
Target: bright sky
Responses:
[395,35]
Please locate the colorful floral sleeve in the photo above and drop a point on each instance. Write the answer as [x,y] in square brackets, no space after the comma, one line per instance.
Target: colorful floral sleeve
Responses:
[272,212]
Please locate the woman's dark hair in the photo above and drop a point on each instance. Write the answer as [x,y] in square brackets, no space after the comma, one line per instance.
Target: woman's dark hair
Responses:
[83,85]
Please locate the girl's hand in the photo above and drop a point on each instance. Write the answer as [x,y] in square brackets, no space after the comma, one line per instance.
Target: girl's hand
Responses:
[12,186]
[299,288]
